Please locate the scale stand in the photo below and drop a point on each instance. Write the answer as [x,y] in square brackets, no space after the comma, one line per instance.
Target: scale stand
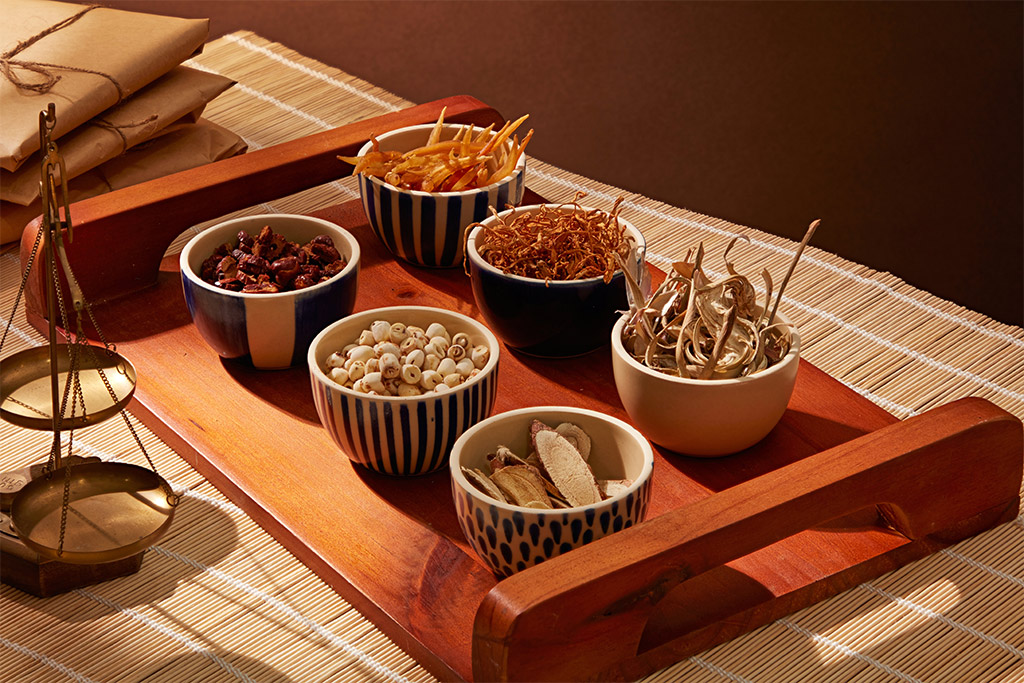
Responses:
[71,521]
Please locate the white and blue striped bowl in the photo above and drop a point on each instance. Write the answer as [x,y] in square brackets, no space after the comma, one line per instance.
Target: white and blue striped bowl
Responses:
[428,228]
[393,434]
[272,331]
[509,538]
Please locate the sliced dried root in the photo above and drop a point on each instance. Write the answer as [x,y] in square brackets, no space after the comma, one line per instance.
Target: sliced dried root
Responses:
[555,474]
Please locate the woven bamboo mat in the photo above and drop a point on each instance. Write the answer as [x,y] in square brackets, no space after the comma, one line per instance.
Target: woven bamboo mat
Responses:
[220,600]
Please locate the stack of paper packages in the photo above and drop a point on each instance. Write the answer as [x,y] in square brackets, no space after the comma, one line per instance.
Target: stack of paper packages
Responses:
[127,111]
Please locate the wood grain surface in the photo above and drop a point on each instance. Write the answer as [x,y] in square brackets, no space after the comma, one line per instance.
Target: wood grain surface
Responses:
[392,546]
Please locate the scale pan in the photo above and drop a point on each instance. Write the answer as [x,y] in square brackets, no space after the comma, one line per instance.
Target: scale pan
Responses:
[115,510]
[25,393]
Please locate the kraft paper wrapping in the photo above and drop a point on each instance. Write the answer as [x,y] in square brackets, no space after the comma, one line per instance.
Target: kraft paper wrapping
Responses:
[84,59]
[180,147]
[184,92]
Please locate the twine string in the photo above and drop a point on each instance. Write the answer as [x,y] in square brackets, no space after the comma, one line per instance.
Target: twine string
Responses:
[9,66]
[119,128]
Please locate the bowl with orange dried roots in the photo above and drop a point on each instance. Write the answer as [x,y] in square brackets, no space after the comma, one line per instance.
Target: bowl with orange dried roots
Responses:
[421,186]
[548,278]
[534,483]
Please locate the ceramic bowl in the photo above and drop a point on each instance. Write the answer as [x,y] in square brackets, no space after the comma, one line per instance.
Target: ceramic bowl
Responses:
[552,319]
[509,538]
[428,228]
[392,434]
[703,417]
[272,331]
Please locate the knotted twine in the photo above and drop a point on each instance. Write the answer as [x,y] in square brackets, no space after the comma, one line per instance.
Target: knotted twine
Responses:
[8,64]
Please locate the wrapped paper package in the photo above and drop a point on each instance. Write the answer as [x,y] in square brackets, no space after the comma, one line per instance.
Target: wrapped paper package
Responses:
[179,148]
[84,59]
[181,94]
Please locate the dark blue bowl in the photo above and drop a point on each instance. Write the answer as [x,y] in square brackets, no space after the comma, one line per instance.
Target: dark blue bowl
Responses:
[553,319]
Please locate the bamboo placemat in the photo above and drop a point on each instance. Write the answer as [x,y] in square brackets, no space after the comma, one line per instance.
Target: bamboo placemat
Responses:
[220,600]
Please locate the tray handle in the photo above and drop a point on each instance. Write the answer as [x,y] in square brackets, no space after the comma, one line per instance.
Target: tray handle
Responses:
[939,477]
[121,237]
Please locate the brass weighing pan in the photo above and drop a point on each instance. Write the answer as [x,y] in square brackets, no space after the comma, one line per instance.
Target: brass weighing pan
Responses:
[25,386]
[114,510]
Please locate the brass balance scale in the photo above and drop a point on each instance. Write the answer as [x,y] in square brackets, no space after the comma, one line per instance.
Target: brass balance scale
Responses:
[74,520]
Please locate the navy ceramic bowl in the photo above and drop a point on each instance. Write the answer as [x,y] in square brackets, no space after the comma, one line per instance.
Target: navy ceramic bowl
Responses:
[553,319]
[509,538]
[272,331]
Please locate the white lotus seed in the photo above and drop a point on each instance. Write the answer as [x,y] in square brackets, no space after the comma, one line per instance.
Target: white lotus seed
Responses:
[372,365]
[453,380]
[347,348]
[441,388]
[389,365]
[461,339]
[438,330]
[456,352]
[387,347]
[411,374]
[374,382]
[430,379]
[380,330]
[359,386]
[339,375]
[417,333]
[336,360]
[363,353]
[441,343]
[356,370]
[366,338]
[446,367]
[431,361]
[405,389]
[411,344]
[416,357]
[465,367]
[397,333]
[480,355]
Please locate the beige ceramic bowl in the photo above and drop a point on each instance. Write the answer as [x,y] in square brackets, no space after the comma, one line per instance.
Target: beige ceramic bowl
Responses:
[703,417]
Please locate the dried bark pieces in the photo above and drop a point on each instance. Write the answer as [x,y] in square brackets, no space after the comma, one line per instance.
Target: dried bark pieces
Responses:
[554,475]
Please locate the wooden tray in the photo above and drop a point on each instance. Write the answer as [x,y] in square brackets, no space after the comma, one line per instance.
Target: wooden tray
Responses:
[839,493]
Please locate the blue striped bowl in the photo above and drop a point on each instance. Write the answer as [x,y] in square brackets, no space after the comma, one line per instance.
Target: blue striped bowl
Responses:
[272,331]
[509,538]
[428,228]
[393,434]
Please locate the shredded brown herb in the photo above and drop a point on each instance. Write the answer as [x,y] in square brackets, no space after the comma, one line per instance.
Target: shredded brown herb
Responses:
[553,244]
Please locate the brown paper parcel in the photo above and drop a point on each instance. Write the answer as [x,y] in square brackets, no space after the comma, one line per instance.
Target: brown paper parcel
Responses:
[184,92]
[84,59]
[181,147]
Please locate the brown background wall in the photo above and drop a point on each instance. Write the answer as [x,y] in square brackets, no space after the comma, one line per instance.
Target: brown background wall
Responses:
[899,124]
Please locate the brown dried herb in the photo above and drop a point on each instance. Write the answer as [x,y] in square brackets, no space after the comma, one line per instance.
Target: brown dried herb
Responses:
[268,263]
[552,244]
[555,475]
[696,328]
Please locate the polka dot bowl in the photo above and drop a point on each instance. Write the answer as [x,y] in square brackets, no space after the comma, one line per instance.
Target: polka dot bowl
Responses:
[510,538]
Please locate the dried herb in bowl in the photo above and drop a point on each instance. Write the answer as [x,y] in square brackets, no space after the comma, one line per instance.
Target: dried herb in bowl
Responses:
[474,158]
[698,328]
[269,263]
[552,244]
